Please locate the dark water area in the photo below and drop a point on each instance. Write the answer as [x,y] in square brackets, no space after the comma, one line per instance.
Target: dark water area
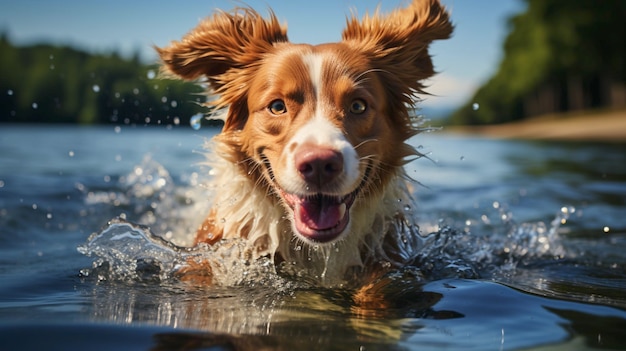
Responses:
[523,248]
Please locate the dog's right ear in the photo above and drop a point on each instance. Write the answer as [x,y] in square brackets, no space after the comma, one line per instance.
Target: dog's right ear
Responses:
[224,48]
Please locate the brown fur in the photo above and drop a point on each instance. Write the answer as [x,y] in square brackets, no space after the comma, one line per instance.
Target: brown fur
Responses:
[249,63]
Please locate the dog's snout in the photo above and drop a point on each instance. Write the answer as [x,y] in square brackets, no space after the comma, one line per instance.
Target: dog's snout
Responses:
[318,166]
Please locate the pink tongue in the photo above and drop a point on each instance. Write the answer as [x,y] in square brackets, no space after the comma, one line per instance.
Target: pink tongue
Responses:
[318,215]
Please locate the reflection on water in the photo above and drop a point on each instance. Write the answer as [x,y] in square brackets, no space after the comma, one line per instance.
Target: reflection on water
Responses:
[330,318]
[458,314]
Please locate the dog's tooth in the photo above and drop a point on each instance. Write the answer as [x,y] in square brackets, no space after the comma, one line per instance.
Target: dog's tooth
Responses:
[342,210]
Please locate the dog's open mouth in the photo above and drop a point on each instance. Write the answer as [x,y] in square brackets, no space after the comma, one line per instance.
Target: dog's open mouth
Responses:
[320,218]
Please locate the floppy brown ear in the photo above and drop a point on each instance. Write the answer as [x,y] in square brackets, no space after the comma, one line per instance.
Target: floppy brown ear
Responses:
[398,42]
[223,48]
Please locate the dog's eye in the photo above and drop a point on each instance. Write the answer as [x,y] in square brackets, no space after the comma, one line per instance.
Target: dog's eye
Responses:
[358,106]
[277,107]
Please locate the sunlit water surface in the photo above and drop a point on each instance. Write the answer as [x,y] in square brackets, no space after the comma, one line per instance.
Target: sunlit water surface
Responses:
[521,245]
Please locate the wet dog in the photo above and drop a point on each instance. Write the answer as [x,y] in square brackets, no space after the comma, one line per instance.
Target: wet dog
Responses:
[309,164]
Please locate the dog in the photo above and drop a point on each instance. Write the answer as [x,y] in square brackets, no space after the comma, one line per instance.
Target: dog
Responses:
[309,163]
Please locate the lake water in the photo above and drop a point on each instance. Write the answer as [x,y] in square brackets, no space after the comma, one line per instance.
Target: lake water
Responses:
[523,248]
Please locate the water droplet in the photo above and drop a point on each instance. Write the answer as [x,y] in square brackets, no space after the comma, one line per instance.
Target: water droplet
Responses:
[174,103]
[151,74]
[407,208]
[9,92]
[475,106]
[1,183]
[496,204]
[49,216]
[606,229]
[95,88]
[34,206]
[136,91]
[117,129]
[71,153]
[176,121]
[462,158]
[35,105]
[196,121]
[485,219]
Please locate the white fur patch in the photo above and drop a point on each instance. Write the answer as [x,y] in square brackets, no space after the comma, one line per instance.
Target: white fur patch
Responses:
[315,63]
[319,130]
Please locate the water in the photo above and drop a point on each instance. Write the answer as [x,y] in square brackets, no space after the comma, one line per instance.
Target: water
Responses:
[521,247]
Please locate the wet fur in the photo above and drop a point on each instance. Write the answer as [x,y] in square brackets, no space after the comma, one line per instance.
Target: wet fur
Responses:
[249,62]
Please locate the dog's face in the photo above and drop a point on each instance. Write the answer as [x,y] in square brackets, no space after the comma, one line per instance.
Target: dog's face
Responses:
[318,123]
[323,127]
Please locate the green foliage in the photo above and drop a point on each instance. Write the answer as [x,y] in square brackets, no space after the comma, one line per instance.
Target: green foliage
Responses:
[560,55]
[49,84]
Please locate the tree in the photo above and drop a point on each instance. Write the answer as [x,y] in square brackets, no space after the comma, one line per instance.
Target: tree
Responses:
[559,56]
[49,84]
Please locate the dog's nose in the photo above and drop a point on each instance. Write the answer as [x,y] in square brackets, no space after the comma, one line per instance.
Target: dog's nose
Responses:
[318,166]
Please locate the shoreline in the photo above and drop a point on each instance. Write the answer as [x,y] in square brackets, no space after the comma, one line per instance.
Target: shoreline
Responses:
[604,126]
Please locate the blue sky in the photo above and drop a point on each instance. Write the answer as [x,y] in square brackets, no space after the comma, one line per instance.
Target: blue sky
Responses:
[464,62]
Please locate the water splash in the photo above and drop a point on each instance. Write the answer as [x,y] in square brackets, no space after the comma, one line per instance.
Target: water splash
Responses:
[150,196]
[131,252]
[126,250]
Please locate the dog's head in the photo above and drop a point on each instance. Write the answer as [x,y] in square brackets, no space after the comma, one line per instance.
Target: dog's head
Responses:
[323,127]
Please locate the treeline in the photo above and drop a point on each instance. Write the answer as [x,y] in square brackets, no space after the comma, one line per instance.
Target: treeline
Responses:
[559,56]
[50,84]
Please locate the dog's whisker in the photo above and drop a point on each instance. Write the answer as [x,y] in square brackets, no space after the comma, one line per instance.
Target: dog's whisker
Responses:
[364,142]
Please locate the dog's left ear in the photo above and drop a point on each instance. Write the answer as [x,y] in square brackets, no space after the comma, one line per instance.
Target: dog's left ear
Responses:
[398,42]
